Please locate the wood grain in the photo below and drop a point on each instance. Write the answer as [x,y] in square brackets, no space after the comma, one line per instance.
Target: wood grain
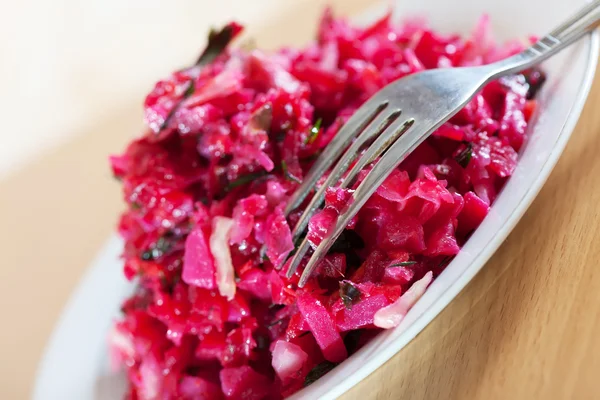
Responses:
[526,327]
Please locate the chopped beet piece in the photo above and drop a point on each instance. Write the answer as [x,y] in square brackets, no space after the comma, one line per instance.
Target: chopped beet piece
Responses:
[198,263]
[244,383]
[361,314]
[322,327]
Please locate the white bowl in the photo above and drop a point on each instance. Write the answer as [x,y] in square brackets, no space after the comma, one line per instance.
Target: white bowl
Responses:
[75,367]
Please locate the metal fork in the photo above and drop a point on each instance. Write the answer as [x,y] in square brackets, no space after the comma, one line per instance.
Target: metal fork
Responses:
[392,123]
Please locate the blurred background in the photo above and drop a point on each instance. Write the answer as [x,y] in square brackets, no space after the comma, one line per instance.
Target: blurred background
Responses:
[73,76]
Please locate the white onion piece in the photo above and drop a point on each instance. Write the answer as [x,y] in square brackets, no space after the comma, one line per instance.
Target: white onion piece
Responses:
[150,379]
[288,359]
[219,247]
[391,316]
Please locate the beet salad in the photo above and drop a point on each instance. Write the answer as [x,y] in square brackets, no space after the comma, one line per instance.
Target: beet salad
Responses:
[227,141]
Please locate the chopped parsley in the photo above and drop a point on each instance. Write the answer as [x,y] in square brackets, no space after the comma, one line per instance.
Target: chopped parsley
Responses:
[162,246]
[288,175]
[189,90]
[349,293]
[217,43]
[402,264]
[318,371]
[244,179]
[314,132]
[464,157]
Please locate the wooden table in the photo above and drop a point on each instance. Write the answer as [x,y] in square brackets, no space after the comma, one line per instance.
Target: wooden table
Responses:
[528,326]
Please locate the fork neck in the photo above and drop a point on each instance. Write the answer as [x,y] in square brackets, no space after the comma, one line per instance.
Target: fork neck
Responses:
[571,30]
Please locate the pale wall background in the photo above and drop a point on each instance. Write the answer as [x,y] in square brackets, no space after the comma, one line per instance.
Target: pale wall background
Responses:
[64,63]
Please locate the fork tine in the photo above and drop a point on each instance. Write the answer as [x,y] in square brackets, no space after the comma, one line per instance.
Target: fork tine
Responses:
[394,155]
[341,140]
[381,144]
[373,130]
[379,147]
[297,257]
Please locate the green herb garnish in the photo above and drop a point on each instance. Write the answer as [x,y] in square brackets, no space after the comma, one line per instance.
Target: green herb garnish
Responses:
[217,43]
[244,179]
[349,293]
[318,371]
[263,254]
[464,157]
[261,118]
[314,132]
[162,246]
[402,264]
[190,89]
[289,176]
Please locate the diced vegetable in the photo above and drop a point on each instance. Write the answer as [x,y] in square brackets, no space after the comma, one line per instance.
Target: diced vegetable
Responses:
[288,359]
[322,327]
[198,264]
[361,315]
[278,237]
[219,247]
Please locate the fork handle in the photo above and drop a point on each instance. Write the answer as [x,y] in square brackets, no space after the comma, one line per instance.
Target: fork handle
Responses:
[584,21]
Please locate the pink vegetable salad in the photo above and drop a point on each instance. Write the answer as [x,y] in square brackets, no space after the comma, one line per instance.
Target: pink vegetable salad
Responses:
[227,142]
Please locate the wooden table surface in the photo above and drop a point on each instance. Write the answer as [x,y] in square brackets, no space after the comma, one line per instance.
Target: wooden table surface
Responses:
[527,326]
